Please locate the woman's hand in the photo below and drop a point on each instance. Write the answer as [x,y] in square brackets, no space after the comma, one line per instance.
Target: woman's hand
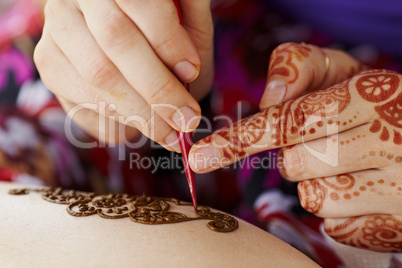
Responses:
[343,146]
[131,56]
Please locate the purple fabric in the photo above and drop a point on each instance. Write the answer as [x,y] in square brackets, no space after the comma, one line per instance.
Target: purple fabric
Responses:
[355,22]
[13,60]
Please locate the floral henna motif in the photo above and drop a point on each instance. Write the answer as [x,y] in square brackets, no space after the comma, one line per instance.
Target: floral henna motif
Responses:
[378,88]
[287,54]
[290,118]
[380,233]
[141,209]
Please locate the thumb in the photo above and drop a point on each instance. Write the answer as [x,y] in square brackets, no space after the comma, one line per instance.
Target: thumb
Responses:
[298,68]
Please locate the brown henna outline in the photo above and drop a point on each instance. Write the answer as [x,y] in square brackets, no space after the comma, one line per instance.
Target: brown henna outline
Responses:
[140,209]
[377,232]
[286,54]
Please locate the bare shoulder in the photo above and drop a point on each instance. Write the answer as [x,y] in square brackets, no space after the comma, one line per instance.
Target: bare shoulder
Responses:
[63,229]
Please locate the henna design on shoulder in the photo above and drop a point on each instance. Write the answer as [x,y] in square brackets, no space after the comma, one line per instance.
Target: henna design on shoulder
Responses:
[140,209]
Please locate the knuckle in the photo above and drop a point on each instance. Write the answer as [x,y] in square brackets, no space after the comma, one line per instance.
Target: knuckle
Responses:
[166,41]
[292,166]
[123,3]
[116,32]
[50,9]
[39,55]
[160,90]
[100,73]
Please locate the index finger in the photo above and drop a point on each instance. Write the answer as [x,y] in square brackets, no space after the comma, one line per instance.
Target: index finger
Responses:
[372,95]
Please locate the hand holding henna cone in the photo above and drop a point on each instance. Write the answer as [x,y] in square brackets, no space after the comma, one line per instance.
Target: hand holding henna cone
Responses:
[186,140]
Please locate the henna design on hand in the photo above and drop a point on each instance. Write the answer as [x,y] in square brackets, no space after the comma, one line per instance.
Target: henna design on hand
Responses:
[378,88]
[241,135]
[377,232]
[140,209]
[312,193]
[286,54]
[290,118]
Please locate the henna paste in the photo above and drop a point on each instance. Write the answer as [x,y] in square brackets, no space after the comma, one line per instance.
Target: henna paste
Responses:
[141,209]
[380,233]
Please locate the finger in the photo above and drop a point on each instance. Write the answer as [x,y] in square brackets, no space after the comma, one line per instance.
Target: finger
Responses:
[372,97]
[103,128]
[60,77]
[381,233]
[167,37]
[298,68]
[353,194]
[130,52]
[197,20]
[338,154]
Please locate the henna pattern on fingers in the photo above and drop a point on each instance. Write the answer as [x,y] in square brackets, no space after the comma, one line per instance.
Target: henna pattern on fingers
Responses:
[378,232]
[286,54]
[140,209]
[240,136]
[313,193]
[378,88]
[290,118]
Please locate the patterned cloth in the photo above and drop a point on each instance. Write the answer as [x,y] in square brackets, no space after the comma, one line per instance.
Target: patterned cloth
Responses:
[35,149]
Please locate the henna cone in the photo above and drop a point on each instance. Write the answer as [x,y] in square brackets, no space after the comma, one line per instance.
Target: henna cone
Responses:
[185,141]
[185,145]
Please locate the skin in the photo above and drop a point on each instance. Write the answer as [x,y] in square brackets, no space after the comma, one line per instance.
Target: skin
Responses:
[108,53]
[40,233]
[342,143]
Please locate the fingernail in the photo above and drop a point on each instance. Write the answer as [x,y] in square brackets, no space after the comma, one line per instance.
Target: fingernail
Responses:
[274,93]
[172,141]
[186,71]
[205,159]
[185,119]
